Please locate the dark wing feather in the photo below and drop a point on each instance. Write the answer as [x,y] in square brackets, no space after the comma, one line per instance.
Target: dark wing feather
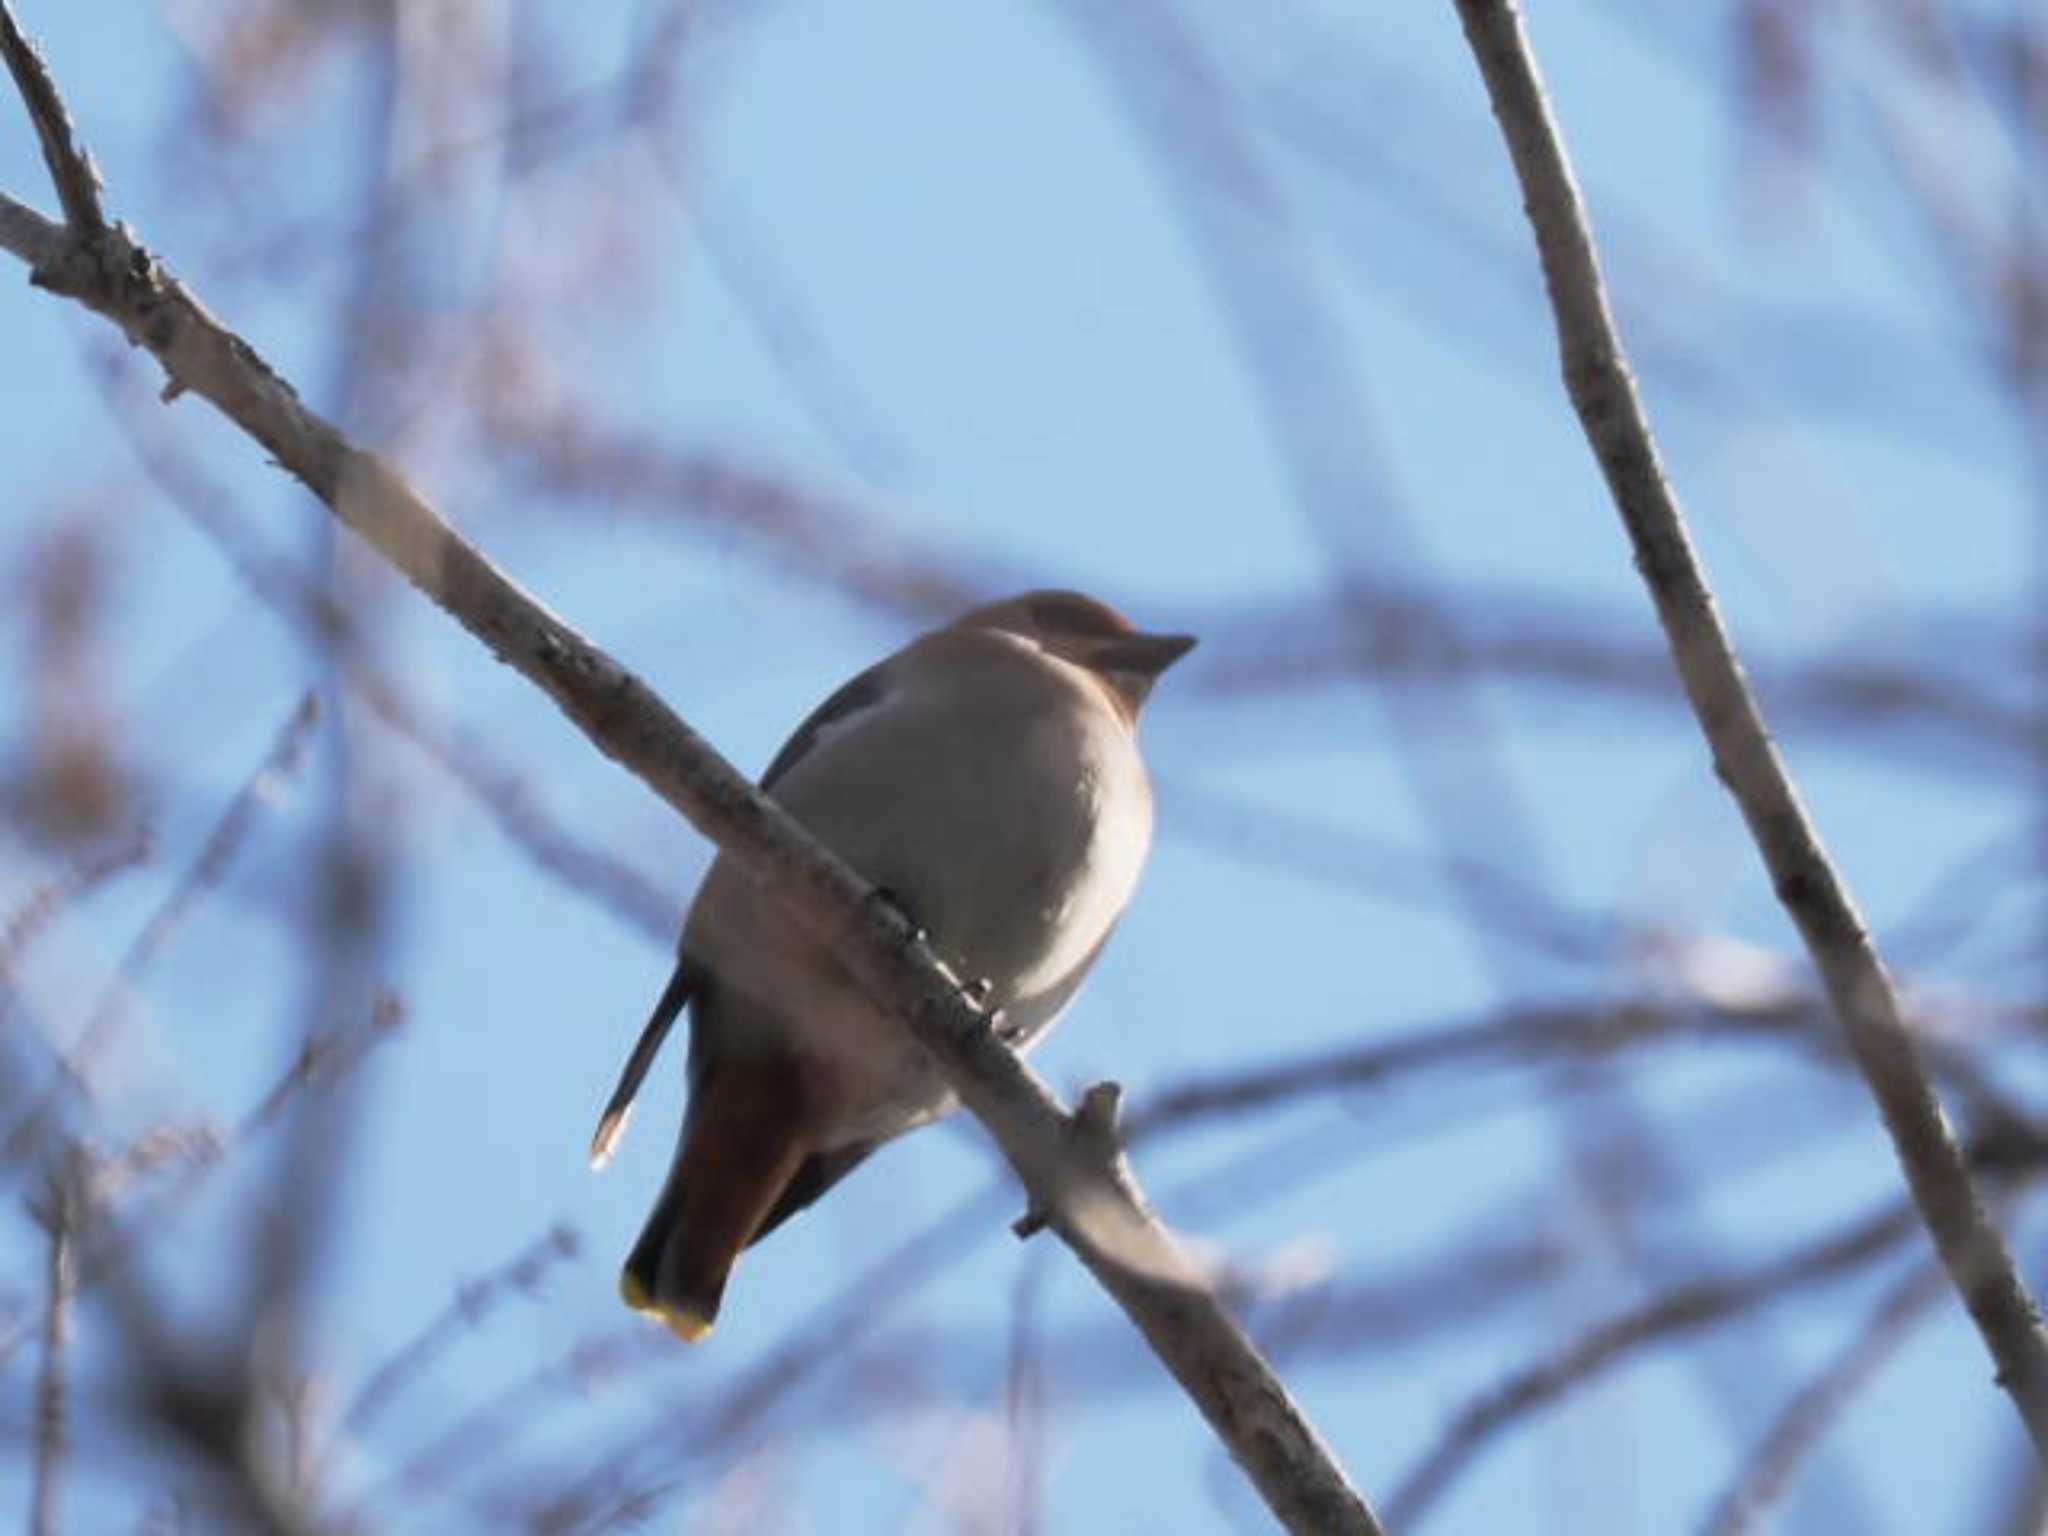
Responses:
[818,1173]
[821,1170]
[846,701]
[853,696]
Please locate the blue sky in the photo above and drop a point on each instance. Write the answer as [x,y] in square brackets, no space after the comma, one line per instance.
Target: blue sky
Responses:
[996,327]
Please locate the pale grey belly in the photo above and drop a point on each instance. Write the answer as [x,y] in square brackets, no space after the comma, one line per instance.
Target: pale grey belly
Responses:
[1045,824]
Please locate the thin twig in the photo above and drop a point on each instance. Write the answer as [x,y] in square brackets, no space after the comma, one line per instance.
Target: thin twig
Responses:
[1513,907]
[323,1058]
[1324,1326]
[1596,375]
[1685,1309]
[1379,629]
[58,1214]
[488,1426]
[820,536]
[474,1301]
[278,767]
[22,926]
[1816,1407]
[1530,1035]
[1025,1404]
[1507,632]
[1082,1184]
[74,1066]
[505,797]
[199,1397]
[823,1338]
[71,169]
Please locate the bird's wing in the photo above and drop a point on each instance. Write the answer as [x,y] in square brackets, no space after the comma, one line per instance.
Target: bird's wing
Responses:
[818,1173]
[850,699]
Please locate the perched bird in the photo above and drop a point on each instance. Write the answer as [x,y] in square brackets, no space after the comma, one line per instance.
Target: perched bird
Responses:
[986,778]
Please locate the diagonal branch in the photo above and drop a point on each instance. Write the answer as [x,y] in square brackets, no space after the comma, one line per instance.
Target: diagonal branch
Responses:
[1602,390]
[71,169]
[474,1301]
[1674,1313]
[1080,1184]
[504,797]
[72,1078]
[1819,1405]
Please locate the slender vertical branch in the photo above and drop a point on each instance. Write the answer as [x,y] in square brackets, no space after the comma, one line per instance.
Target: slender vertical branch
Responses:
[1025,1404]
[1602,390]
[57,1212]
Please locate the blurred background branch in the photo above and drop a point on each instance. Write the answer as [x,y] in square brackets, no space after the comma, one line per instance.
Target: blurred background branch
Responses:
[1453,1016]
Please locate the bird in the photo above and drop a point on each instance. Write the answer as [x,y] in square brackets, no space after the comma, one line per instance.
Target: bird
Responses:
[986,779]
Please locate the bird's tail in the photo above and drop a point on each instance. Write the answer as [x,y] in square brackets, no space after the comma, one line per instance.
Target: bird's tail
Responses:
[744,1140]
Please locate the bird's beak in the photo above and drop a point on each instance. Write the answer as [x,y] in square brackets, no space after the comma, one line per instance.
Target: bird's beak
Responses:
[1130,664]
[1140,655]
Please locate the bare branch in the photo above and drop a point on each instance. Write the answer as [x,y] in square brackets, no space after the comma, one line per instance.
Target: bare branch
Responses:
[1602,391]
[58,1213]
[1819,1404]
[71,170]
[1025,1404]
[1515,908]
[323,1057]
[1538,1035]
[473,1302]
[1682,1310]
[494,1422]
[20,928]
[1380,630]
[1289,646]
[1091,1202]
[27,234]
[504,796]
[860,1307]
[74,1067]
[819,536]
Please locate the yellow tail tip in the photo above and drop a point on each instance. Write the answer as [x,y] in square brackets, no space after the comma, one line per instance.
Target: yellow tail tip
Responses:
[684,1322]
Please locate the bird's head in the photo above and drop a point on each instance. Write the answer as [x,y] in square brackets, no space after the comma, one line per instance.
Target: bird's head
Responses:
[1091,634]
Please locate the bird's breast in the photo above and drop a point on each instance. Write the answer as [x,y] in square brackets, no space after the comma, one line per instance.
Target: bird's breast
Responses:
[1012,836]
[1019,853]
